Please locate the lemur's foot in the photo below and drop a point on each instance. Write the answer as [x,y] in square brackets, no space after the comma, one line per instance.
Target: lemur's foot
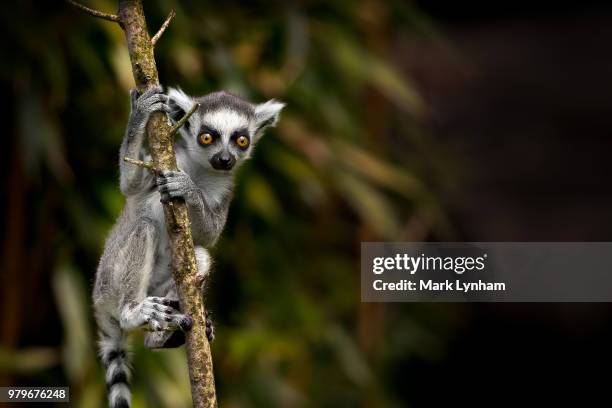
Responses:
[173,339]
[163,314]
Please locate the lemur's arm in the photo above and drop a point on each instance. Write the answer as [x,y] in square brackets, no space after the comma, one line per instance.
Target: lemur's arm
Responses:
[207,217]
[132,177]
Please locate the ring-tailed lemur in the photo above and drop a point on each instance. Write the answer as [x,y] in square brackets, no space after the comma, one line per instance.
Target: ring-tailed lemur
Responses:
[134,287]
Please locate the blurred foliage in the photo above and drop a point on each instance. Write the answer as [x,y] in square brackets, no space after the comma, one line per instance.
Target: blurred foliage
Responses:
[342,167]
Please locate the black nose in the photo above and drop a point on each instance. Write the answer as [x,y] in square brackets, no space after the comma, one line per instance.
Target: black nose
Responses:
[222,162]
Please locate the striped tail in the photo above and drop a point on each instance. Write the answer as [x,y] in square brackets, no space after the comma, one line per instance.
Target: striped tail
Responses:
[115,360]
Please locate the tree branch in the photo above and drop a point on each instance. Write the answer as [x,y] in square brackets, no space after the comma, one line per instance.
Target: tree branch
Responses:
[146,165]
[184,268]
[95,13]
[161,30]
[184,119]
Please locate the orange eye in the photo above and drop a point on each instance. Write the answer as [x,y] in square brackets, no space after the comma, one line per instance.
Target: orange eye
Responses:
[242,142]
[205,139]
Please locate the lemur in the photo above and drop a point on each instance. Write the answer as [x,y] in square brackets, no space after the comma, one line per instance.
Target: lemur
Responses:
[134,287]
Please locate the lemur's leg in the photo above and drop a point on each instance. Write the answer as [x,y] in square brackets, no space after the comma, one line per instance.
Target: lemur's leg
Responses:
[136,259]
[152,100]
[171,339]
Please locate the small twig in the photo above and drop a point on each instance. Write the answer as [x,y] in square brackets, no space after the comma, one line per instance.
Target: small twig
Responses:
[163,27]
[184,119]
[96,13]
[146,165]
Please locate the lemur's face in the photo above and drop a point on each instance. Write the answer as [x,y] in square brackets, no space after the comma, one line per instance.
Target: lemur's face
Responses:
[222,132]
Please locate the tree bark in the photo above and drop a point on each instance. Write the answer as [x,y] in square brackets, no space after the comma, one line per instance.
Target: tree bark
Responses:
[184,267]
[160,136]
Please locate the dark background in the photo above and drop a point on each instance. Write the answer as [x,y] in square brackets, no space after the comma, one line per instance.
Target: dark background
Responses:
[526,106]
[423,120]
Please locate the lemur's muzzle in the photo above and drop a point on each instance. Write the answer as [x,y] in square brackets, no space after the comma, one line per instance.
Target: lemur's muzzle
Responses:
[222,161]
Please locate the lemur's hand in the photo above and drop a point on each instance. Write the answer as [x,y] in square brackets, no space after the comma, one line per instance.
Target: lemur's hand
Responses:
[152,100]
[173,184]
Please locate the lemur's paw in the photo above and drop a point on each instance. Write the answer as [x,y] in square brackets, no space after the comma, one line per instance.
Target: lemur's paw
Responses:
[210,329]
[173,184]
[163,314]
[151,100]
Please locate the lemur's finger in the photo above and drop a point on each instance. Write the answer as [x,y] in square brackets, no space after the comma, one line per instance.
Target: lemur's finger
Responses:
[160,316]
[173,303]
[163,189]
[164,309]
[158,107]
[151,91]
[171,186]
[151,99]
[166,177]
[160,300]
[163,302]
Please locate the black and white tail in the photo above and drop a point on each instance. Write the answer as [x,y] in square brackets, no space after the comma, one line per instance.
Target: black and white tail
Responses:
[115,360]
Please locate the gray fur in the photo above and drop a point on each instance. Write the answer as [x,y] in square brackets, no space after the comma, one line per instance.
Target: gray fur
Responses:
[134,287]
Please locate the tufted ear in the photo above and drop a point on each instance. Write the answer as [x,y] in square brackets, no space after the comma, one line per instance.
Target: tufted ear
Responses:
[180,103]
[266,115]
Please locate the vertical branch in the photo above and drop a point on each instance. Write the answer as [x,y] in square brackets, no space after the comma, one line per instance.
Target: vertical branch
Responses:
[140,47]
[184,266]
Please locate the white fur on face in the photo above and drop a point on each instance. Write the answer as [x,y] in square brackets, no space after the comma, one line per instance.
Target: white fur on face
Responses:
[225,121]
